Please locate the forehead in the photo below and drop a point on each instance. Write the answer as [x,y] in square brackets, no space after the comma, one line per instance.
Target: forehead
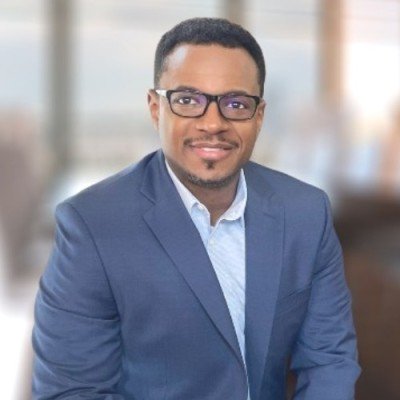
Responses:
[210,68]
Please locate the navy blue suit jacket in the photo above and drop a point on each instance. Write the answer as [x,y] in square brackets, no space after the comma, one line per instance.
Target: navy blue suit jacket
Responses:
[129,306]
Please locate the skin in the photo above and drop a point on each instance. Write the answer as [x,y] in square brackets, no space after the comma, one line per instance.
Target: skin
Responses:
[207,153]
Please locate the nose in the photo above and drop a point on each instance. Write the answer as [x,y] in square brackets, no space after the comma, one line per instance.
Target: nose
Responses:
[212,121]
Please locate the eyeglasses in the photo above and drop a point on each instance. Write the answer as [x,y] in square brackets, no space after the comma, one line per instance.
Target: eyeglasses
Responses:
[193,104]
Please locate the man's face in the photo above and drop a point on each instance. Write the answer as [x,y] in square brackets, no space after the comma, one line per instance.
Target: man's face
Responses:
[209,150]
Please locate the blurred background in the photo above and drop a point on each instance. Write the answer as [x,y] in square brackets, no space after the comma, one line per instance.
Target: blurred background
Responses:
[73,82]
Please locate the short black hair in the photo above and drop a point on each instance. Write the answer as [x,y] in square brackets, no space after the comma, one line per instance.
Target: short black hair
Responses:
[207,31]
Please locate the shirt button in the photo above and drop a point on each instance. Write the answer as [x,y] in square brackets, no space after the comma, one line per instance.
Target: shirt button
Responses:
[200,207]
[212,242]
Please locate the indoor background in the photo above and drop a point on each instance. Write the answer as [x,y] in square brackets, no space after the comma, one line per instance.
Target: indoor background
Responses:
[73,81]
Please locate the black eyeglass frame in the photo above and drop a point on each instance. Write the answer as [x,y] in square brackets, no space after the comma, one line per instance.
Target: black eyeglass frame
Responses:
[210,98]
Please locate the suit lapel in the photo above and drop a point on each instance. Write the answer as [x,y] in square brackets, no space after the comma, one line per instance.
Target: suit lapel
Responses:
[264,249]
[174,229]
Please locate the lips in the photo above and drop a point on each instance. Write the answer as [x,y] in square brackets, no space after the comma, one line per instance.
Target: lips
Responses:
[212,151]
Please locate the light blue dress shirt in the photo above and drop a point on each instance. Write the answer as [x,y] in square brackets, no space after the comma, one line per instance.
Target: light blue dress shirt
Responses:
[225,245]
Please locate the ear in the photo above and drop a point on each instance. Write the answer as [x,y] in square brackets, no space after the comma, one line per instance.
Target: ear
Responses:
[260,115]
[154,107]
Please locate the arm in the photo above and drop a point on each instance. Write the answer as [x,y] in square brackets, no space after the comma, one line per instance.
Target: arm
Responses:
[76,337]
[325,355]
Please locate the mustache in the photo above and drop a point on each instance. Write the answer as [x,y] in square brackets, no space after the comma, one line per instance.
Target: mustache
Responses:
[212,139]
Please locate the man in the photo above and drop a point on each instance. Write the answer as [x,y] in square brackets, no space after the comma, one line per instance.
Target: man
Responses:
[196,274]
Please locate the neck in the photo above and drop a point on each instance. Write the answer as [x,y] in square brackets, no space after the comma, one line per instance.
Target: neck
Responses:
[217,200]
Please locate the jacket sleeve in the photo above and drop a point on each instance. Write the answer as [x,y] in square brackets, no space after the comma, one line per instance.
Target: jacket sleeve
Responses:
[76,336]
[325,355]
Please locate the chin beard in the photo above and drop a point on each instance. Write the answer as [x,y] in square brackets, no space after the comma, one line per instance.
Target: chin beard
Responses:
[208,183]
[204,183]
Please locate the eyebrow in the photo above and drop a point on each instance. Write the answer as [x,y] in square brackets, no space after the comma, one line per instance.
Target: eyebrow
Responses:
[196,90]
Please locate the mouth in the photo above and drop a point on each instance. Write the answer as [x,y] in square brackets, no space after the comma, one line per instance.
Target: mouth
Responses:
[212,151]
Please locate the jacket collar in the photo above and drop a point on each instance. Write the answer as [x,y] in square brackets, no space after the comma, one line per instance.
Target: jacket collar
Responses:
[264,256]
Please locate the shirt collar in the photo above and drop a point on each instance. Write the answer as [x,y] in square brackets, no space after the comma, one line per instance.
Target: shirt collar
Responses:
[234,212]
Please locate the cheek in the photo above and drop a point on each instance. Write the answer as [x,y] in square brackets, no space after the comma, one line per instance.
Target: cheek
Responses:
[249,139]
[172,131]
[163,125]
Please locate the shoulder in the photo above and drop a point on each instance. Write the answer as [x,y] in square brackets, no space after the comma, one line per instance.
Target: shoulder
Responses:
[112,195]
[283,185]
[304,204]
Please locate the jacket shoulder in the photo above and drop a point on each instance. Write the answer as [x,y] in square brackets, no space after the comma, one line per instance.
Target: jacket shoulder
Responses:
[111,193]
[285,186]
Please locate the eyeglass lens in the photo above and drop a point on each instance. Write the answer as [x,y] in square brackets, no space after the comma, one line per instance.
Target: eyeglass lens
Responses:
[189,104]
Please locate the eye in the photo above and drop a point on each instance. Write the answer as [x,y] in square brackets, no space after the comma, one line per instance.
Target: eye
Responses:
[186,99]
[237,103]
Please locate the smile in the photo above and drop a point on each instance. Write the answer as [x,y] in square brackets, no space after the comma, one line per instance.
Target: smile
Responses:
[211,151]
